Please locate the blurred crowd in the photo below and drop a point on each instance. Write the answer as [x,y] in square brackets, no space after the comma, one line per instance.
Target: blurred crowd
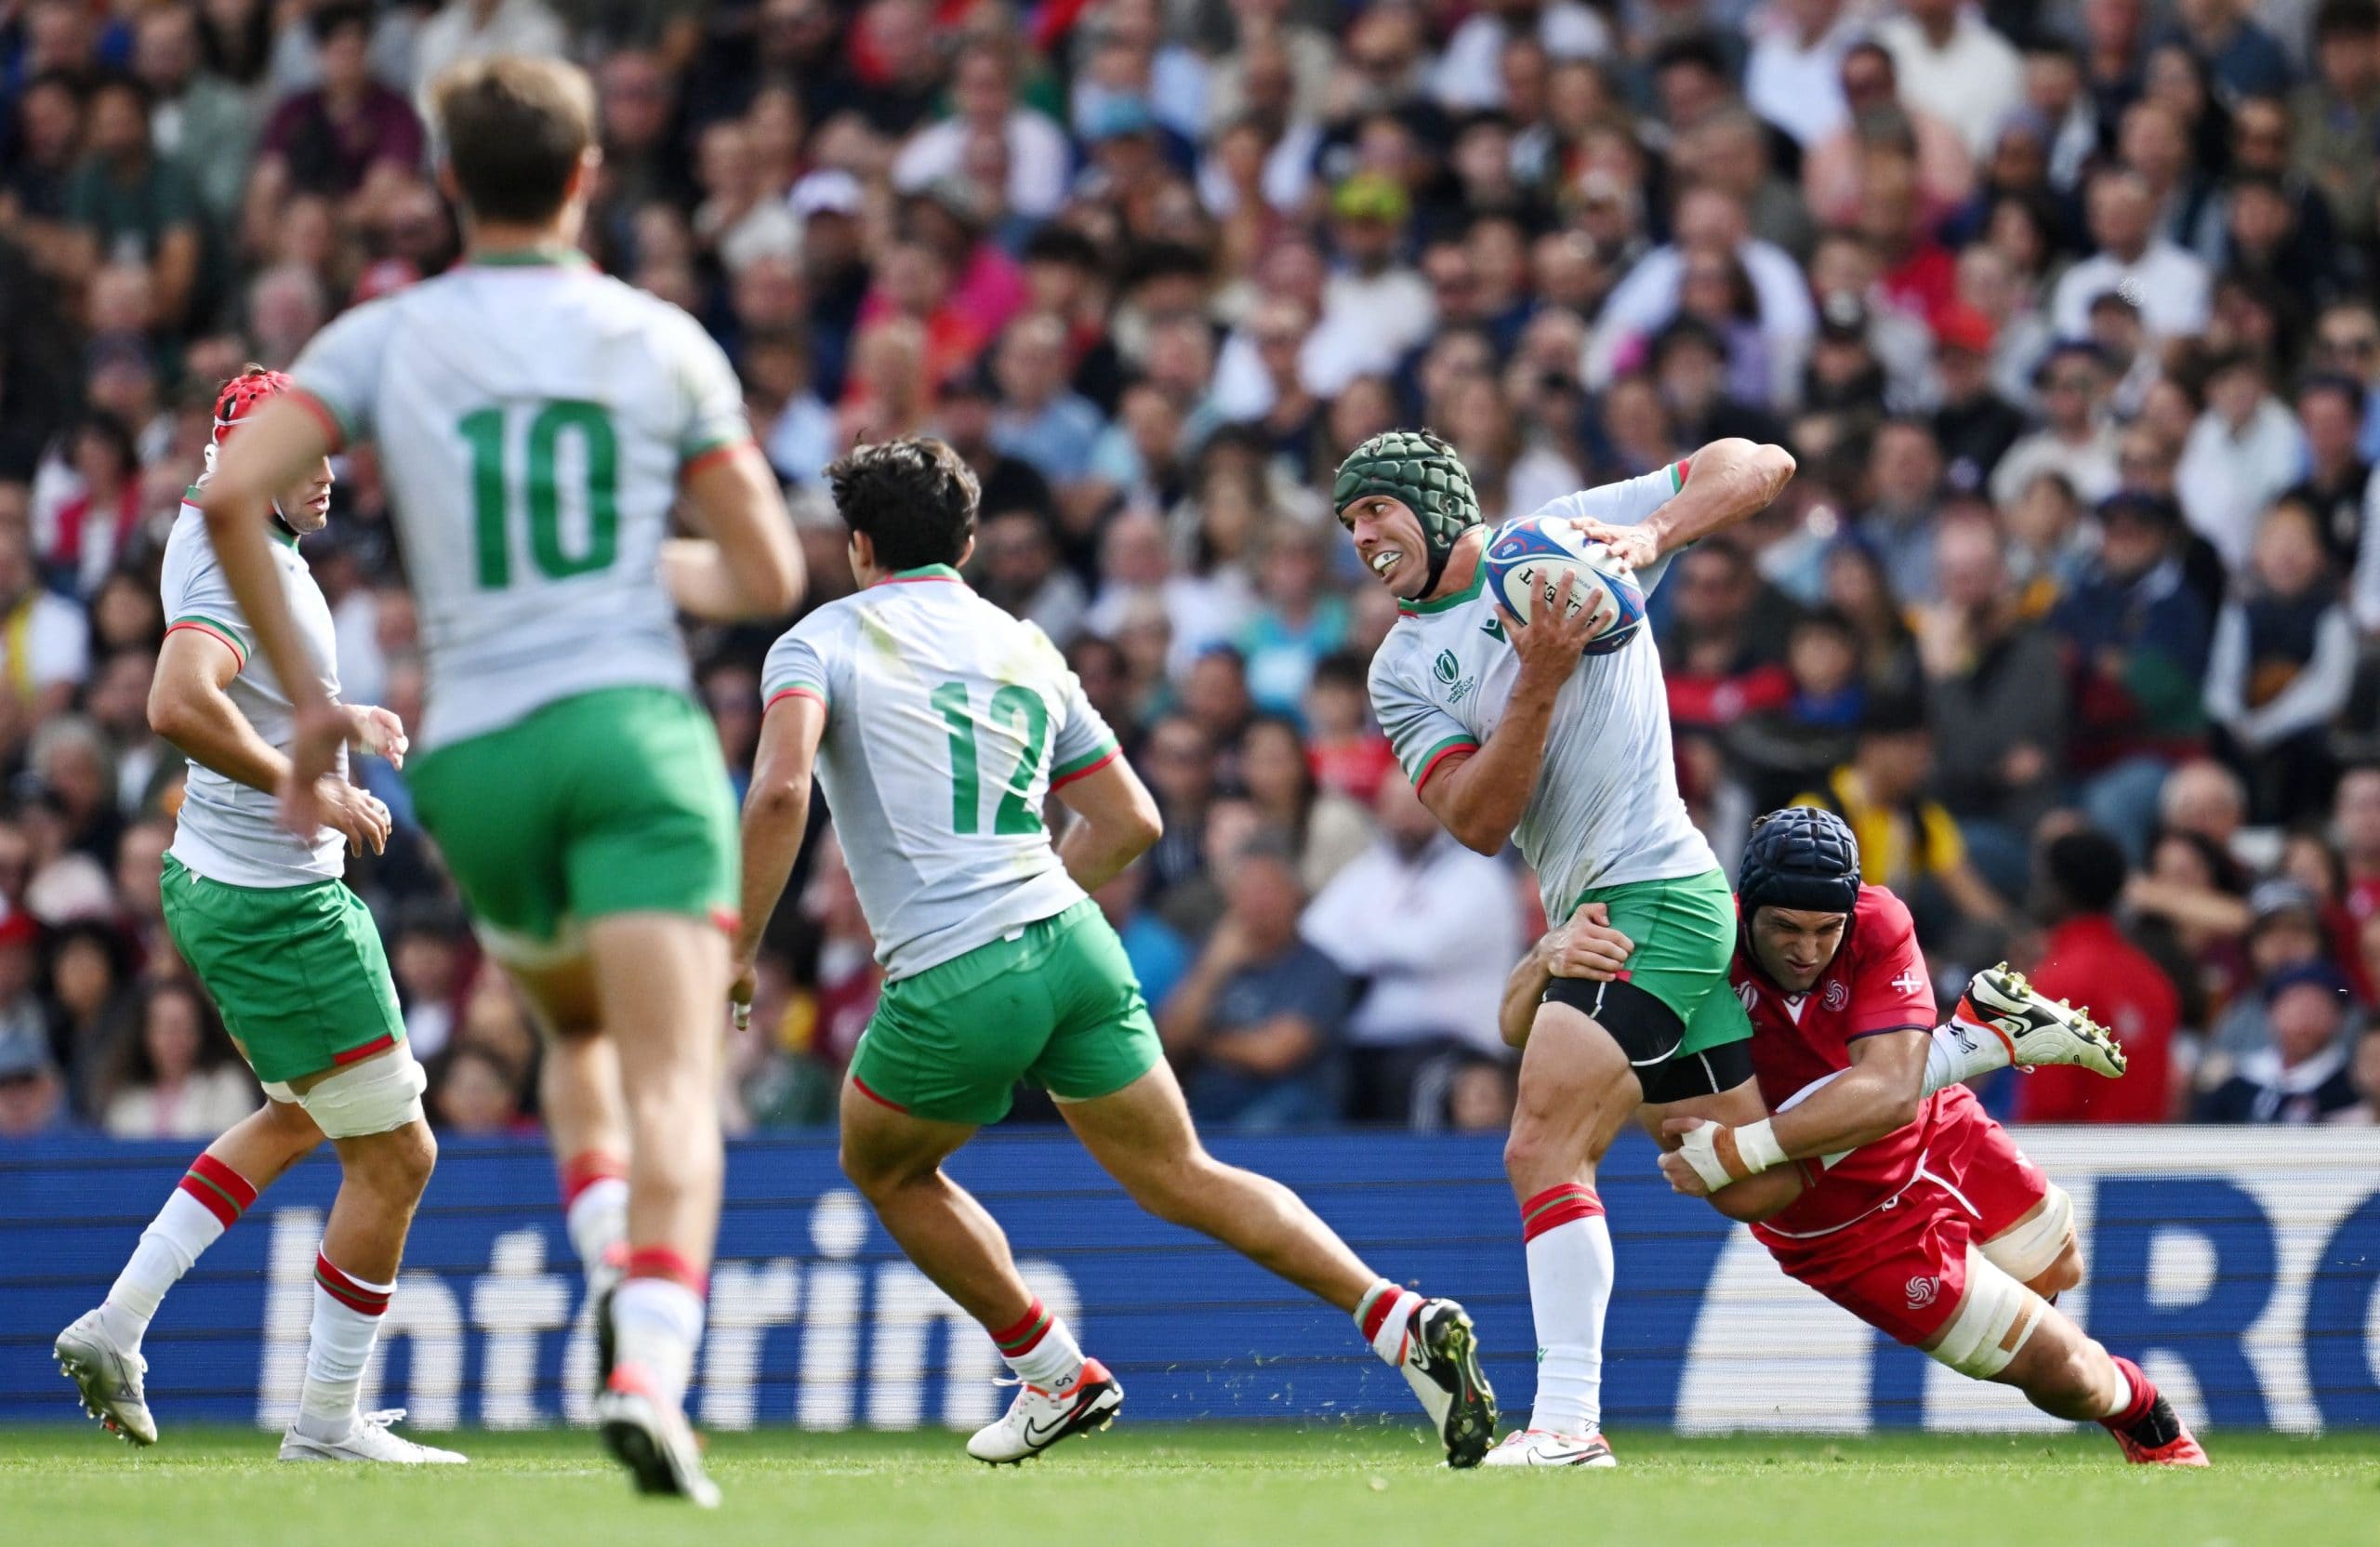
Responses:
[2064,306]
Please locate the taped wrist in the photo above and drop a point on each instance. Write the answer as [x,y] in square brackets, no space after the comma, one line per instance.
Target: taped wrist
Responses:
[1721,1155]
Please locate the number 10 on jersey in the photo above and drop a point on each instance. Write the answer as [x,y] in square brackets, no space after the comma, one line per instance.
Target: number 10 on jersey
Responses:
[496,512]
[1015,708]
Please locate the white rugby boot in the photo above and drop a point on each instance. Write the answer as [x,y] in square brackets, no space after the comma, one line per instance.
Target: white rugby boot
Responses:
[1544,1448]
[109,1376]
[368,1441]
[1038,1419]
[2036,1031]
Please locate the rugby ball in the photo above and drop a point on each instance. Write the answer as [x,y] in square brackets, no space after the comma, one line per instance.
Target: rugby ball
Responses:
[1526,559]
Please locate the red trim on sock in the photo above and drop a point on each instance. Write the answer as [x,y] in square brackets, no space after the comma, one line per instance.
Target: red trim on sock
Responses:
[1382,1308]
[586,1169]
[1556,1206]
[861,1086]
[223,1192]
[242,1191]
[209,1198]
[2144,1396]
[1026,1335]
[661,1262]
[360,1298]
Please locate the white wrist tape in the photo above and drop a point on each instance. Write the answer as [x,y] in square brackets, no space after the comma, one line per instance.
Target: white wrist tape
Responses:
[1721,1154]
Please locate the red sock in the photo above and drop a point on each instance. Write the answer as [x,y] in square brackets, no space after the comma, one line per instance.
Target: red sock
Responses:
[2144,1396]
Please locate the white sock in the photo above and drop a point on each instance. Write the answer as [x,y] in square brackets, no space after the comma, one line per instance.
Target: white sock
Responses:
[597,1218]
[1569,1287]
[1385,1316]
[1962,1050]
[183,1228]
[347,1323]
[659,1325]
[1040,1349]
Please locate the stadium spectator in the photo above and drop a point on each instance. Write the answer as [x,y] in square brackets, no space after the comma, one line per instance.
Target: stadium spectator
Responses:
[173,1073]
[327,139]
[2302,1077]
[2280,668]
[1256,1024]
[2136,638]
[32,1097]
[2364,1070]
[2086,959]
[1428,987]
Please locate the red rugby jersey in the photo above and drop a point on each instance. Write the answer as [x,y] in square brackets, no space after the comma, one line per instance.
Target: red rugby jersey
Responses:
[1876,983]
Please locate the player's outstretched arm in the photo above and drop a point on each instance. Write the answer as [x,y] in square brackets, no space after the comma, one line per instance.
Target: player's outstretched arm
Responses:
[272,450]
[1479,796]
[776,815]
[748,566]
[1727,482]
[1879,1094]
[1119,823]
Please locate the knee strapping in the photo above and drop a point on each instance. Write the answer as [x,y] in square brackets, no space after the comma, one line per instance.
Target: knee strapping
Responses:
[378,1095]
[1994,1319]
[2025,1251]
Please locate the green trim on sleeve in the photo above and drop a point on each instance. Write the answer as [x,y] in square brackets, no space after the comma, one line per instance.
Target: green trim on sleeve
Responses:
[1106,749]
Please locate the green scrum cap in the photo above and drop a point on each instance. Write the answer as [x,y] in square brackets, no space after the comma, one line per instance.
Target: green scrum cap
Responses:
[1423,471]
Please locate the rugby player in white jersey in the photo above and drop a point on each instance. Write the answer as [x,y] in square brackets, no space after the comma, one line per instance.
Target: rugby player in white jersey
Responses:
[538,423]
[292,960]
[940,725]
[1510,734]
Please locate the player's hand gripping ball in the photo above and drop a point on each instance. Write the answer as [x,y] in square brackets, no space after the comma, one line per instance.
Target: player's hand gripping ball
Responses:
[1526,559]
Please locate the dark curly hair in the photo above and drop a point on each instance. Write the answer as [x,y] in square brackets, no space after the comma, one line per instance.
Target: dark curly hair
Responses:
[915,497]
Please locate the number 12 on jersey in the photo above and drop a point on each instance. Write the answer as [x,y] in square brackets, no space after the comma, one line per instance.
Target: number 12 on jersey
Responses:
[1019,710]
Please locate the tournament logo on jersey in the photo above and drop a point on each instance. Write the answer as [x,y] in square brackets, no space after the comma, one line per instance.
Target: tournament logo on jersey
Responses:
[1838,994]
[1449,674]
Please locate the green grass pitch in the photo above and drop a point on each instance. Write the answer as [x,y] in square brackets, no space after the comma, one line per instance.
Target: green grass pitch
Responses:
[1154,1487]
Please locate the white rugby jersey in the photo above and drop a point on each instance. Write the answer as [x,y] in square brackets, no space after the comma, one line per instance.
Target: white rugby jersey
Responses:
[1605,810]
[226,832]
[535,419]
[949,722]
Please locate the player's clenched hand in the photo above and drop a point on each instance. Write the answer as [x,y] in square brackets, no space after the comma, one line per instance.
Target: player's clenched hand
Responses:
[380,731]
[740,991]
[356,814]
[1587,946]
[1683,1177]
[1552,646]
[1632,547]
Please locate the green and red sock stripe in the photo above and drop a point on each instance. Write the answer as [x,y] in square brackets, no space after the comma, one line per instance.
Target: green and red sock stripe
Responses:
[1556,1206]
[661,1262]
[586,1169]
[364,1299]
[225,1191]
[1016,1341]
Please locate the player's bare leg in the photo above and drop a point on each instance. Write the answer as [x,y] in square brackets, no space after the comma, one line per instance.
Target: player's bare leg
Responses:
[382,1177]
[895,1160]
[660,978]
[587,1127]
[1575,1092]
[101,1352]
[2060,1368]
[1143,1136]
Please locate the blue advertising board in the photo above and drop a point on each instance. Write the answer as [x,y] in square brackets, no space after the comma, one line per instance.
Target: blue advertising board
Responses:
[2241,1267]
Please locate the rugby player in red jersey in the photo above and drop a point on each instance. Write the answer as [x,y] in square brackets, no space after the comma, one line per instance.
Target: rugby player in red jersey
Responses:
[1879,1181]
